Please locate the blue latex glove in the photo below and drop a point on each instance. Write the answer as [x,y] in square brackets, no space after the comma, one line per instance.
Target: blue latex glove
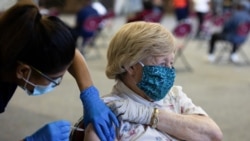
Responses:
[97,113]
[54,131]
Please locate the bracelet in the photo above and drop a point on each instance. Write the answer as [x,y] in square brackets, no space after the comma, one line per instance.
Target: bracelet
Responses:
[155,118]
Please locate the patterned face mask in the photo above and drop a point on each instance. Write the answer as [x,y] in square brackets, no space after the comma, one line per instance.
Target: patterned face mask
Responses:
[156,81]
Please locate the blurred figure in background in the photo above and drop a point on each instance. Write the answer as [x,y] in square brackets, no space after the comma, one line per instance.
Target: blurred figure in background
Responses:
[99,7]
[86,11]
[229,33]
[216,7]
[181,9]
[201,8]
[227,6]
[158,6]
[90,9]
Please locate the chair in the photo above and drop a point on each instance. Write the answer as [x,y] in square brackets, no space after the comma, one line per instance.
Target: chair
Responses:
[93,25]
[213,23]
[146,15]
[183,31]
[153,17]
[77,135]
[242,31]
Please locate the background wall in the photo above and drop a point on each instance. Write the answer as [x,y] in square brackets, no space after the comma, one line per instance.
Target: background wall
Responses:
[5,4]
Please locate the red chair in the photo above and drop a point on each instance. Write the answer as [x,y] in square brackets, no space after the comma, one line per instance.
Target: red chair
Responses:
[213,23]
[146,15]
[94,24]
[183,32]
[153,17]
[243,29]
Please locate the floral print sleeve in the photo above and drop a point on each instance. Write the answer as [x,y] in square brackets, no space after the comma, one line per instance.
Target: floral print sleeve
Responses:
[178,101]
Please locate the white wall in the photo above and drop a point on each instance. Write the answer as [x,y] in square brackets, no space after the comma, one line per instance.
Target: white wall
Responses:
[5,4]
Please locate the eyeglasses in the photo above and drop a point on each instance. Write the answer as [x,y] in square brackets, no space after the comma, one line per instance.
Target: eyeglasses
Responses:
[55,81]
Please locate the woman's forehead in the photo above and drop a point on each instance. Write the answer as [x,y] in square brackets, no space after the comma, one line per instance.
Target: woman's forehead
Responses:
[157,58]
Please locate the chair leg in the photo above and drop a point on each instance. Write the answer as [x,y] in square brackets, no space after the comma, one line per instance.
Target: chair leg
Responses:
[183,59]
[186,63]
[245,57]
[77,135]
[222,52]
[90,44]
[225,49]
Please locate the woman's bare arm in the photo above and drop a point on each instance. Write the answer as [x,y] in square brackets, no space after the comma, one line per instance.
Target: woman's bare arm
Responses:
[189,127]
[79,70]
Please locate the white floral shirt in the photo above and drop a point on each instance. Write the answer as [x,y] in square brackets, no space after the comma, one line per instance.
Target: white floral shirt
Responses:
[176,101]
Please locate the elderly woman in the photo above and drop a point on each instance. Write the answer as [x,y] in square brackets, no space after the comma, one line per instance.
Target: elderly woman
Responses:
[148,105]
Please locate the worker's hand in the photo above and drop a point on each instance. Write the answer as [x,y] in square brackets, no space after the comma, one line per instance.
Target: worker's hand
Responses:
[131,111]
[97,113]
[54,131]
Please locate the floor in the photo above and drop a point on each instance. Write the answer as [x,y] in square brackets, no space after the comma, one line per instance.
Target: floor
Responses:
[222,90]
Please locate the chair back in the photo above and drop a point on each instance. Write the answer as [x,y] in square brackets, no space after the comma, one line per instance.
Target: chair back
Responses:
[77,135]
[182,30]
[92,23]
[243,29]
[218,21]
[109,14]
[153,17]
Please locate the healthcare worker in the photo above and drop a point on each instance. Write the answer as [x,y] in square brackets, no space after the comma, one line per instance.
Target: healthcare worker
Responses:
[35,53]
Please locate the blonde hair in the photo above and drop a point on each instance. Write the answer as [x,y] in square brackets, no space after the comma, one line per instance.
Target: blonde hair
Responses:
[134,42]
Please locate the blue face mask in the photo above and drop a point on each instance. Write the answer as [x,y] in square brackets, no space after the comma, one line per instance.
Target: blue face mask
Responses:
[39,89]
[156,81]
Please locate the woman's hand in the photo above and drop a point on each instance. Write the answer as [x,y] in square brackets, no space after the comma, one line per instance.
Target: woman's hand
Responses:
[131,111]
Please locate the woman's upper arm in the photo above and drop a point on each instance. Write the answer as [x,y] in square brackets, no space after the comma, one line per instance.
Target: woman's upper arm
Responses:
[79,70]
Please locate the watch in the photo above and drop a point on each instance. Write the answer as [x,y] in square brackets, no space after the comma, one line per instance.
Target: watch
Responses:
[155,118]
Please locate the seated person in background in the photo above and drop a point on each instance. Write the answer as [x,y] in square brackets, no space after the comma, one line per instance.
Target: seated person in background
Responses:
[149,13]
[99,7]
[158,6]
[140,58]
[229,33]
[90,9]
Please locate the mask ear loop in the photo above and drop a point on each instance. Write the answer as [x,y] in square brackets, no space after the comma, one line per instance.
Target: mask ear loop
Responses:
[141,64]
[27,80]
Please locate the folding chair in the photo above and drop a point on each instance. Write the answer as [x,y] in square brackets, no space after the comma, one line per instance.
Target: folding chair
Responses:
[183,31]
[210,25]
[76,135]
[243,31]
[93,24]
[153,17]
[146,15]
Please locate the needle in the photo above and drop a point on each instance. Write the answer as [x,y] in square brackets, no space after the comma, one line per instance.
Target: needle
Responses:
[77,128]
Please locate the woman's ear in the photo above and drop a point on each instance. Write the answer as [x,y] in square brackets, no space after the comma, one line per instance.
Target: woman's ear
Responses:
[22,70]
[132,70]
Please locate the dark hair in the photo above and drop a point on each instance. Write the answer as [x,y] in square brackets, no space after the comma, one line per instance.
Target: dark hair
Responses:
[148,4]
[46,43]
